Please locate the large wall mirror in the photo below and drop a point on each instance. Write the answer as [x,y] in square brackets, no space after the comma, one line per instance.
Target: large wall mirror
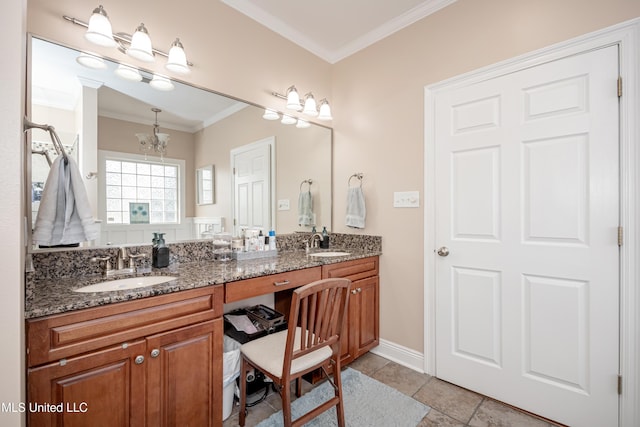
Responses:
[257,166]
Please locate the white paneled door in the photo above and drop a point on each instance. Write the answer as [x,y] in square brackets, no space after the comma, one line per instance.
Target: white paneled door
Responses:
[527,212]
[252,186]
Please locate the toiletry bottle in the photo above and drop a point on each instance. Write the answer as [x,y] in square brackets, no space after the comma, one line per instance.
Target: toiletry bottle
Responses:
[325,238]
[160,253]
[272,240]
[261,241]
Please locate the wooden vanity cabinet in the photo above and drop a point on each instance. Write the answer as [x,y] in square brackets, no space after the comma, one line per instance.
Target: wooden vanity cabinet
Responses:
[362,326]
[149,362]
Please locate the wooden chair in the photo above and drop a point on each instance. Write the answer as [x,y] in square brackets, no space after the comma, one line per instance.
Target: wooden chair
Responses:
[311,340]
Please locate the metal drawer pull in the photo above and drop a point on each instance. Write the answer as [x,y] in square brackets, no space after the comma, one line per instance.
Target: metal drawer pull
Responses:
[283,283]
[139,359]
[155,352]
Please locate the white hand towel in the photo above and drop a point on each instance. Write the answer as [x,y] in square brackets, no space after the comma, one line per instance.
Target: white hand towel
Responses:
[356,209]
[64,216]
[305,208]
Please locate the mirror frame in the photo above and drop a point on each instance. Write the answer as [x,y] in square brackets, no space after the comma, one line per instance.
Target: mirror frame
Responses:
[27,159]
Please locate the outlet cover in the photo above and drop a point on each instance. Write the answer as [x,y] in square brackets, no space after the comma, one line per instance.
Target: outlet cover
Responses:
[406,199]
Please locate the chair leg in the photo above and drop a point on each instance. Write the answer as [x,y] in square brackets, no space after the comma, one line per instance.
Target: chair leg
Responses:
[298,387]
[285,393]
[243,391]
[337,379]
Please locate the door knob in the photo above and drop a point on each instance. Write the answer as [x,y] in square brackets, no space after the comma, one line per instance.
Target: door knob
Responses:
[443,251]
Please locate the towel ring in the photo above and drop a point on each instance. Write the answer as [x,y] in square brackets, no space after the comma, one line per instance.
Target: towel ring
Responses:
[359,175]
[306,181]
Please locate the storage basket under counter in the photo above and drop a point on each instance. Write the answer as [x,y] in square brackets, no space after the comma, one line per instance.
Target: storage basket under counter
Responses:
[265,320]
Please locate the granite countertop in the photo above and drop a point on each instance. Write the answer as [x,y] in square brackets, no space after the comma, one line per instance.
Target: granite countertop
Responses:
[52,296]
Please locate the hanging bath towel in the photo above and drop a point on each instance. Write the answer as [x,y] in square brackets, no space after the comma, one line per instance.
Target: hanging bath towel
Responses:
[64,216]
[305,208]
[356,209]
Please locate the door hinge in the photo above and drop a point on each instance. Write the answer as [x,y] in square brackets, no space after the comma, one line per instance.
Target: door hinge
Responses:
[619,86]
[620,236]
[234,171]
[620,384]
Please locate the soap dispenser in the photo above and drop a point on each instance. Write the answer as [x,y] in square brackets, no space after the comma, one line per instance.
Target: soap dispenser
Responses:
[160,253]
[325,239]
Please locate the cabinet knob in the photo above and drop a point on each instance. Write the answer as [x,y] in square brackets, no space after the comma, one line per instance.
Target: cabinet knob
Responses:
[139,359]
[155,353]
[356,291]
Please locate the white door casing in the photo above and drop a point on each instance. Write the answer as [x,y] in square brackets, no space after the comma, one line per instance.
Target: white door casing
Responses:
[527,196]
[626,36]
[252,185]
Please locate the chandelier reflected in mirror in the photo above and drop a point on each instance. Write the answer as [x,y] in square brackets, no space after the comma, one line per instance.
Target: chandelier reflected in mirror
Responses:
[157,142]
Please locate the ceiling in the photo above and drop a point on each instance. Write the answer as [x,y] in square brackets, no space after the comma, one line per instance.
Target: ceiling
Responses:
[335,29]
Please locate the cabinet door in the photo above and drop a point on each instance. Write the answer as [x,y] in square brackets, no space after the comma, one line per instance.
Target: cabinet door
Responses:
[364,316]
[184,376]
[103,388]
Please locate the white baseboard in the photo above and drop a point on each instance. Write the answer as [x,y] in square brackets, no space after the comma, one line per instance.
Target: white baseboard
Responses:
[401,355]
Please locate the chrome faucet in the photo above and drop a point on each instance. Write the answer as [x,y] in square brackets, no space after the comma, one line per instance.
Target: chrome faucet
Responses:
[123,258]
[125,263]
[315,239]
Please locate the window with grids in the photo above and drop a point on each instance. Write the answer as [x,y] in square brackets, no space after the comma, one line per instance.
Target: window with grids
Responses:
[141,192]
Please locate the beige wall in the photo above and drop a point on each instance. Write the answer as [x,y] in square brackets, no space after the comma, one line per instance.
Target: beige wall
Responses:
[300,154]
[119,135]
[379,119]
[377,96]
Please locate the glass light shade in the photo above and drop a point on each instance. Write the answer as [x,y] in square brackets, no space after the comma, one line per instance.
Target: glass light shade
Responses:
[91,61]
[325,111]
[302,124]
[161,83]
[163,140]
[177,61]
[141,45]
[270,114]
[288,120]
[128,73]
[310,106]
[293,99]
[99,30]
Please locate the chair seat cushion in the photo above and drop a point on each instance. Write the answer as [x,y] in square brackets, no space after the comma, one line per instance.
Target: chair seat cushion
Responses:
[268,353]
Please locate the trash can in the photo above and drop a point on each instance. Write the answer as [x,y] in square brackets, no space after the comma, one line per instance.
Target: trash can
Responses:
[230,371]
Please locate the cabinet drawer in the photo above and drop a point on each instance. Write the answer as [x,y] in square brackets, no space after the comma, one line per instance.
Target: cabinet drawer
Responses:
[54,337]
[354,270]
[242,289]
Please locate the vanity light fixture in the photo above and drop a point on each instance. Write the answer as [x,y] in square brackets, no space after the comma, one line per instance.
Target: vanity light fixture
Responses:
[310,108]
[157,142]
[325,110]
[288,120]
[91,61]
[161,83]
[138,46]
[99,28]
[302,124]
[128,73]
[270,114]
[177,61]
[293,99]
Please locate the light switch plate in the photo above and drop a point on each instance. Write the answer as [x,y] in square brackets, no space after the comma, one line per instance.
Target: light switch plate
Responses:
[406,199]
[283,205]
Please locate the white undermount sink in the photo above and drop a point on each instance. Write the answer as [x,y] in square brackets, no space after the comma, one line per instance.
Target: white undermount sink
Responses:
[125,284]
[329,254]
